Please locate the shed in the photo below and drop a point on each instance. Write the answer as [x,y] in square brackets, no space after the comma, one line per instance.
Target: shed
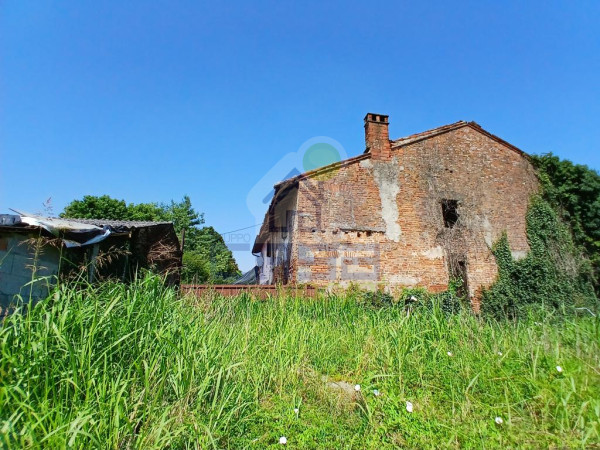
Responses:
[35,251]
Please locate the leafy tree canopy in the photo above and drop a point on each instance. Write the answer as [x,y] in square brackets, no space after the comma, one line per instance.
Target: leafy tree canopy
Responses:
[206,258]
[210,246]
[92,207]
[182,214]
[574,191]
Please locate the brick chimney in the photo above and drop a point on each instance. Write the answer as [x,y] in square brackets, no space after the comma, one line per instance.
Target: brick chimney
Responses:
[377,136]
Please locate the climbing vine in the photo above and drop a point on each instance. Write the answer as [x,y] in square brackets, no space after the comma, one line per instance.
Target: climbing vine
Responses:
[554,273]
[573,190]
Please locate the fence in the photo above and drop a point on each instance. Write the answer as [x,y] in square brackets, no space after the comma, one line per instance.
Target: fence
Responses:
[260,291]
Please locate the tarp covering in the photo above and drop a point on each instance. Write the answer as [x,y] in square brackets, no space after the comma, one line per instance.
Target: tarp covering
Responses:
[73,234]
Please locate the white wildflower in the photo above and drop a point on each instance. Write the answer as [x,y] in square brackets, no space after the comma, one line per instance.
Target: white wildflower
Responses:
[559,369]
[357,388]
[409,407]
[296,411]
[499,353]
[283,440]
[376,393]
[449,353]
[499,420]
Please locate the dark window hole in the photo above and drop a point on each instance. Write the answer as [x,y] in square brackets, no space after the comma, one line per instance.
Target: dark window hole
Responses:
[450,212]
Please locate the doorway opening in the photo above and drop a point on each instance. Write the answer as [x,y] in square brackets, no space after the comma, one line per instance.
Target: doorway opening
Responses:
[458,274]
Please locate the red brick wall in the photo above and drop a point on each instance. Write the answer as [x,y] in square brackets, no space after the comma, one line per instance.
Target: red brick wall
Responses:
[379,223]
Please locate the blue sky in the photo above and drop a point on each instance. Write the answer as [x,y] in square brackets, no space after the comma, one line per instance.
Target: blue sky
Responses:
[151,100]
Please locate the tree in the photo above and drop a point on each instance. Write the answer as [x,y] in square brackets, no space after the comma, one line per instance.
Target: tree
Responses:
[145,212]
[105,207]
[184,217]
[92,207]
[574,191]
[206,258]
[219,260]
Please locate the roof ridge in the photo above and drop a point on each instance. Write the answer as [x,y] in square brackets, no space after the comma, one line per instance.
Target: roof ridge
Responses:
[454,126]
[365,154]
[398,143]
[427,133]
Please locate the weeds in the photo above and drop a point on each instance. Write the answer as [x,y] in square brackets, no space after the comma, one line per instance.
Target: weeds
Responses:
[136,366]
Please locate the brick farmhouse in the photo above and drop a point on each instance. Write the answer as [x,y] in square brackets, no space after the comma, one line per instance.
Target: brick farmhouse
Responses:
[417,211]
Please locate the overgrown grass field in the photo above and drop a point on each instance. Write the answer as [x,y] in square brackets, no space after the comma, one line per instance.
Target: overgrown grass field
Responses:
[137,367]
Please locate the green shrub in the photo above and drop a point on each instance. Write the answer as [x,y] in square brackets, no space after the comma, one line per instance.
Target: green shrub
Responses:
[377,299]
[195,268]
[450,301]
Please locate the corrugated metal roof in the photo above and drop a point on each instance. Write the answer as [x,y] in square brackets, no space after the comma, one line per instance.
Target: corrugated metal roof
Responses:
[248,278]
[80,232]
[119,223]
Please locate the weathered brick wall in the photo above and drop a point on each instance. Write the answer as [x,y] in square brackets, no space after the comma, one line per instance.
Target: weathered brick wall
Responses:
[380,222]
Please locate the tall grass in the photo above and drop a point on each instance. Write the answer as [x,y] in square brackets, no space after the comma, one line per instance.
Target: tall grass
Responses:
[135,366]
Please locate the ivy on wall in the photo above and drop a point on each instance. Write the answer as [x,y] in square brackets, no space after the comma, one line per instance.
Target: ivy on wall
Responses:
[554,273]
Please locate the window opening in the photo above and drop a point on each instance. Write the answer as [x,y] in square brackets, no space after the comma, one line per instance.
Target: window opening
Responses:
[449,212]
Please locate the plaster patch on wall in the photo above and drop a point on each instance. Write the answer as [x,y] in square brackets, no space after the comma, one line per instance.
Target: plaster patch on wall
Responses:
[304,274]
[366,164]
[366,285]
[518,254]
[434,253]
[487,230]
[386,177]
